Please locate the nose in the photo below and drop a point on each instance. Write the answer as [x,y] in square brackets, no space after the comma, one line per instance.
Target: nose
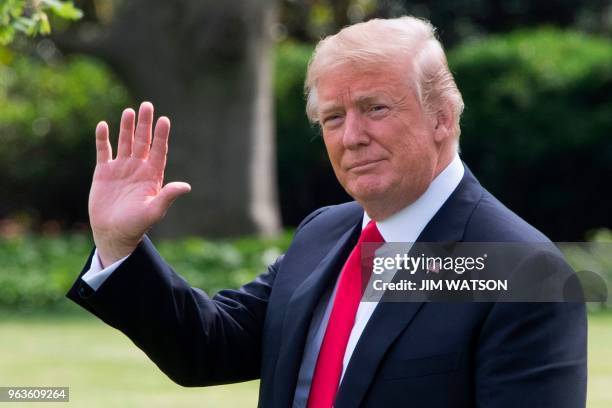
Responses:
[355,134]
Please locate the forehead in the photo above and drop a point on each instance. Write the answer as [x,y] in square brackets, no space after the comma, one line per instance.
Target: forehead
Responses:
[346,83]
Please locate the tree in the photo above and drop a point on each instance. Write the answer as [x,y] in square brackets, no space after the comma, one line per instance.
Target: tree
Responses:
[206,65]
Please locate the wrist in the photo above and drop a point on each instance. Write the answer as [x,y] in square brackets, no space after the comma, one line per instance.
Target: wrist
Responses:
[112,250]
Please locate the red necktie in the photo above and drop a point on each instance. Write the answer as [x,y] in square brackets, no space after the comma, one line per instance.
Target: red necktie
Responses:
[328,368]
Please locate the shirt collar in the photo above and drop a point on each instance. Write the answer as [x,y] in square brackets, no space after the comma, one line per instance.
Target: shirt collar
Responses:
[407,224]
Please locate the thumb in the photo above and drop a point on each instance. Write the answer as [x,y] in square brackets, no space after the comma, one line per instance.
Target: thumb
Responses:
[168,194]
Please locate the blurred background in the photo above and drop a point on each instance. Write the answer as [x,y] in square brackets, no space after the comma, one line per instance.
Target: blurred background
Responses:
[536,78]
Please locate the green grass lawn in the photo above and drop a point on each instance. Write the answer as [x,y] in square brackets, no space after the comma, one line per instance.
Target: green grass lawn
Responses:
[104,369]
[600,361]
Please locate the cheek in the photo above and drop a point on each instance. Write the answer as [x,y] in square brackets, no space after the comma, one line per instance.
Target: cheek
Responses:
[416,165]
[334,151]
[412,147]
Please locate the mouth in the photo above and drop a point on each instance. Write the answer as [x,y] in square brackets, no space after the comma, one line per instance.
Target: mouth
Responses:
[363,165]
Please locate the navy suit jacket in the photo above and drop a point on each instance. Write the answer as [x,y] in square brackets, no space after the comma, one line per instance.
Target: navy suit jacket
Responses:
[409,355]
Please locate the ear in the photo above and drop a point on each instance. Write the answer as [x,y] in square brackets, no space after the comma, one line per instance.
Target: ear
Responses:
[444,120]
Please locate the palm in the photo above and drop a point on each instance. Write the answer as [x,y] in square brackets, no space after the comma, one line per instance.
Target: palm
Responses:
[122,192]
[127,194]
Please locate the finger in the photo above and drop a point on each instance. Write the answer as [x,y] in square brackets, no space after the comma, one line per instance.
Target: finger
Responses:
[168,194]
[104,151]
[142,137]
[126,133]
[159,148]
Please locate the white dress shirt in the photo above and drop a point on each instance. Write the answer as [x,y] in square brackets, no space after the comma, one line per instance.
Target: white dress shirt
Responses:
[404,226]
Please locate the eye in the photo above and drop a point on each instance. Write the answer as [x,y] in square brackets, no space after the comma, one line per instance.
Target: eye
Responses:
[332,120]
[378,109]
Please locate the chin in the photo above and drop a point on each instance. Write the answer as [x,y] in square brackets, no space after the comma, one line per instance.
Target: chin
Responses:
[363,191]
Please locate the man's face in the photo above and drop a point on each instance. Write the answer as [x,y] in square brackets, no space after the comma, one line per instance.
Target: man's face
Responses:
[380,142]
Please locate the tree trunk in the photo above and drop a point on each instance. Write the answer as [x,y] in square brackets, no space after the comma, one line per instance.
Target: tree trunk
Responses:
[207,65]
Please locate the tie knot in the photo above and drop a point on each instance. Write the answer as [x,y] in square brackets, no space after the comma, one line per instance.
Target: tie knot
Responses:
[371,233]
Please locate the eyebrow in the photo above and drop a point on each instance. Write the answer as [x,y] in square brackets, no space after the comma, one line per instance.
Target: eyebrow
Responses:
[360,101]
[329,107]
[367,99]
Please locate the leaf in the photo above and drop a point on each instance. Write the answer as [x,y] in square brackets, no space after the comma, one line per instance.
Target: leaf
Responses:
[69,12]
[64,9]
[10,9]
[23,24]
[43,25]
[7,33]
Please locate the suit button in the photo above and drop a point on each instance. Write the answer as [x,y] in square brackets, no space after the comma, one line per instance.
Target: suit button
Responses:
[84,291]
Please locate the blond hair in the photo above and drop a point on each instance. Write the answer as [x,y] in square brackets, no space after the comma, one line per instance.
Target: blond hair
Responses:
[406,40]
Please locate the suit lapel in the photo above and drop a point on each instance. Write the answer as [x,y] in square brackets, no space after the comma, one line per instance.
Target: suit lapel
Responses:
[385,324]
[299,314]
[390,319]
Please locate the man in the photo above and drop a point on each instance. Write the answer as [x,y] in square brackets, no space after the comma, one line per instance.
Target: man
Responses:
[389,112]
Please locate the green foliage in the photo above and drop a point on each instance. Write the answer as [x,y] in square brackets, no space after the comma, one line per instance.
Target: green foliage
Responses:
[594,256]
[37,271]
[31,16]
[47,121]
[216,265]
[537,124]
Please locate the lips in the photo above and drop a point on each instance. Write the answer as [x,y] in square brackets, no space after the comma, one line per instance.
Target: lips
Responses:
[363,165]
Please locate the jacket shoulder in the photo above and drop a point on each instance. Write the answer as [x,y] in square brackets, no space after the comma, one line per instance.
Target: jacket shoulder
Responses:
[494,222]
[332,216]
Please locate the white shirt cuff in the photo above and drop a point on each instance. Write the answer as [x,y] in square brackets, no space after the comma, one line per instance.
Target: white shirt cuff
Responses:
[96,276]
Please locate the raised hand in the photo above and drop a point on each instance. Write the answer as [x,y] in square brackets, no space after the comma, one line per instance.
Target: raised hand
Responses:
[127,195]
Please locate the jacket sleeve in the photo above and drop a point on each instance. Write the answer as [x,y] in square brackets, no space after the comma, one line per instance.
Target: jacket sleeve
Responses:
[196,340]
